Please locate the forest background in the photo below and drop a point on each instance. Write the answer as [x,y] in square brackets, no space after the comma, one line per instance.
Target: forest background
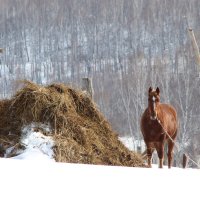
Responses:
[124,46]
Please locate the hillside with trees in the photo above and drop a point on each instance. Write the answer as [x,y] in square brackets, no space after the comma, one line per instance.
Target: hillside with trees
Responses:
[125,46]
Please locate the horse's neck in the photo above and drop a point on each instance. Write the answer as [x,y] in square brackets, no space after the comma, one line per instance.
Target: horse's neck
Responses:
[159,112]
[158,108]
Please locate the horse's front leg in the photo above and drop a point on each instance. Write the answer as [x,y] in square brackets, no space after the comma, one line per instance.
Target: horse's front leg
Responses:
[150,150]
[160,151]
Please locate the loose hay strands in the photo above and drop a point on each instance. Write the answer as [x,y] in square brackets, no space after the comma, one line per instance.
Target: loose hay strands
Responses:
[81,133]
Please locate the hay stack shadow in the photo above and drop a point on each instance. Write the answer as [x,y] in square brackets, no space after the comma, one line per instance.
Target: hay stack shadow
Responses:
[80,131]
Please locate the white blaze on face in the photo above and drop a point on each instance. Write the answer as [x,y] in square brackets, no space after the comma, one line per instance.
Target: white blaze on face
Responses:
[154,106]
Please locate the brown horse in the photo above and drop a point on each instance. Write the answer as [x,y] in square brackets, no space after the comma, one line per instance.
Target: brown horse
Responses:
[157,122]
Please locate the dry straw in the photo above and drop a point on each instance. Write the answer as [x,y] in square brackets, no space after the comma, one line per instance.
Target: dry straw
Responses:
[80,131]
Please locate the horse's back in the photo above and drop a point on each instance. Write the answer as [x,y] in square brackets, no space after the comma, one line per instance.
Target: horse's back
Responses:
[168,117]
[168,109]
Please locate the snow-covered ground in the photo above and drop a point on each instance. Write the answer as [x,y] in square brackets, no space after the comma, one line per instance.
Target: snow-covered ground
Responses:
[36,144]
[25,179]
[133,144]
[33,175]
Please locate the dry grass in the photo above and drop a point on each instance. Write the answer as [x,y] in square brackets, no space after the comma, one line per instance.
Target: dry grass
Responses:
[80,131]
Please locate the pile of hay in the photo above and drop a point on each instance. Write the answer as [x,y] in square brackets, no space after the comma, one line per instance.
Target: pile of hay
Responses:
[80,132]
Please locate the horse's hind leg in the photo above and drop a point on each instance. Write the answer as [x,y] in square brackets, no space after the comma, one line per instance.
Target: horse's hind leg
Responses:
[170,153]
[170,149]
[150,150]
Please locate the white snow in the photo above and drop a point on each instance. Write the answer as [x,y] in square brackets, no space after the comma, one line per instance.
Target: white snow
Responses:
[37,145]
[35,142]
[133,144]
[33,154]
[22,179]
[33,175]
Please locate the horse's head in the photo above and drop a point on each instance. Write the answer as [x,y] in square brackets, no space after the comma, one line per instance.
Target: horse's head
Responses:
[153,99]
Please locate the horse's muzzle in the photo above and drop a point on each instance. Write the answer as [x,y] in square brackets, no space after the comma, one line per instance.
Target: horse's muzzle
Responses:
[153,118]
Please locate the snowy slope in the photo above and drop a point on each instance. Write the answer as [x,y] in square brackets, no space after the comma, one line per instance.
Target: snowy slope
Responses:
[25,179]
[33,174]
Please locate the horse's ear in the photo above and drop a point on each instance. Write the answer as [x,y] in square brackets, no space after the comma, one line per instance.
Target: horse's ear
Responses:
[150,89]
[158,90]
